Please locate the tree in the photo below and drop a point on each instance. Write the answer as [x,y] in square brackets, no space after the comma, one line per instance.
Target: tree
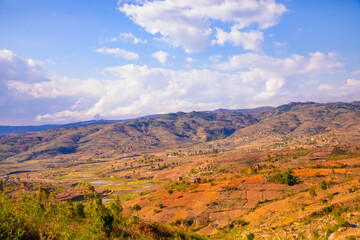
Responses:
[116,207]
[289,179]
[102,216]
[137,208]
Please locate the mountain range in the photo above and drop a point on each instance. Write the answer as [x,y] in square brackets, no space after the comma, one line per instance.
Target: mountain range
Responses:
[113,139]
[25,129]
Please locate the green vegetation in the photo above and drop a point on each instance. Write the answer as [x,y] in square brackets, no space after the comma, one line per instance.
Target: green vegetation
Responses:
[241,222]
[250,236]
[335,210]
[337,151]
[312,192]
[136,207]
[66,150]
[284,108]
[39,216]
[183,222]
[234,182]
[285,157]
[285,178]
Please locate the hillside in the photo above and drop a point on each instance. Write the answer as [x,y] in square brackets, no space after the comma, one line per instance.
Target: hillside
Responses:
[291,121]
[130,137]
[298,123]
[6,130]
[292,172]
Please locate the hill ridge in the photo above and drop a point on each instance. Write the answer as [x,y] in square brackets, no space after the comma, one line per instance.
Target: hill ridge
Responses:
[178,130]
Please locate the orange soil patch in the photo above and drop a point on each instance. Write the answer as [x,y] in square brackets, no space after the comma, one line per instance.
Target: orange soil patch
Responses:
[322,171]
[254,179]
[349,161]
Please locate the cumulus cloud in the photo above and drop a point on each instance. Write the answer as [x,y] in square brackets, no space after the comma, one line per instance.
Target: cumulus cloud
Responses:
[141,90]
[316,63]
[59,87]
[118,52]
[351,84]
[276,72]
[145,90]
[13,67]
[247,40]
[188,23]
[161,56]
[135,90]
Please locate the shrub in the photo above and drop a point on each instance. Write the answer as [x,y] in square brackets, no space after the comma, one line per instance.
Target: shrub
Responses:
[312,192]
[136,207]
[241,222]
[66,150]
[250,236]
[289,179]
[337,151]
[285,178]
[323,185]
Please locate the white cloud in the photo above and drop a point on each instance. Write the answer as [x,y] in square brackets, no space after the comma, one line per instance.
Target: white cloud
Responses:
[215,58]
[141,90]
[161,56]
[59,87]
[352,82]
[190,60]
[127,37]
[7,55]
[118,52]
[187,23]
[326,87]
[296,64]
[136,90]
[247,40]
[279,47]
[13,67]
[323,63]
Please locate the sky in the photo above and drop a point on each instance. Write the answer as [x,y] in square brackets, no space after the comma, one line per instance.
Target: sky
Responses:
[66,61]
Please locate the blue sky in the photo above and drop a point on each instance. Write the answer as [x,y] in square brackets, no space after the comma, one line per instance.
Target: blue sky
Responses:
[65,61]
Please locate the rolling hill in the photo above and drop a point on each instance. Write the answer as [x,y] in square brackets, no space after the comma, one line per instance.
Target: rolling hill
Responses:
[290,172]
[294,120]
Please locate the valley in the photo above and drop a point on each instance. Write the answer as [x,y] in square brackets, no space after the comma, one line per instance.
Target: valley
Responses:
[292,172]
